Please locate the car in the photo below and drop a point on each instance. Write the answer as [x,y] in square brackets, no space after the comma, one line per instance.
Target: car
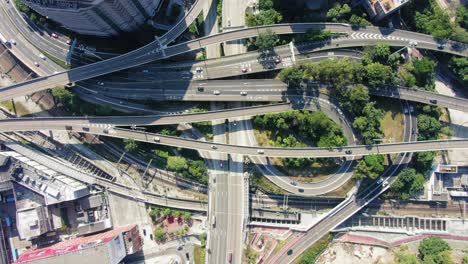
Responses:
[244,70]
[301,190]
[385,183]
[413,131]
[42,56]
[179,248]
[105,130]
[413,43]
[433,101]
[85,128]
[68,127]
[156,139]
[68,41]
[348,151]
[278,60]
[213,221]
[290,251]
[214,147]
[36,64]
[199,69]
[187,256]
[293,183]
[54,35]
[144,71]
[13,42]
[406,110]
[441,46]
[244,93]
[200,88]
[260,151]
[100,83]
[411,108]
[122,102]
[229,23]
[221,165]
[216,92]
[379,181]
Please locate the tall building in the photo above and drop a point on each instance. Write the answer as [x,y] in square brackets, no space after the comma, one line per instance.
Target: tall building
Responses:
[104,248]
[379,9]
[97,17]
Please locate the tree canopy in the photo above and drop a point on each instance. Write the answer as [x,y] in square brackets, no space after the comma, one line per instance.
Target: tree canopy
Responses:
[267,40]
[408,183]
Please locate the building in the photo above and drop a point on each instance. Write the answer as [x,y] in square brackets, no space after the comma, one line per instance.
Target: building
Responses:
[97,17]
[104,248]
[379,9]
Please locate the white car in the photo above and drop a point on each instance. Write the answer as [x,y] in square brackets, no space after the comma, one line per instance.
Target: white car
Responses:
[243,93]
[216,92]
[42,56]
[36,64]
[12,41]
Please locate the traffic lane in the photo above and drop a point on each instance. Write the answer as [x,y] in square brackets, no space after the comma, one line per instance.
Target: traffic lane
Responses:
[264,151]
[40,123]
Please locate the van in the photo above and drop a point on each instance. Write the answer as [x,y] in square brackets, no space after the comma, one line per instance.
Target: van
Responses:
[261,151]
[156,139]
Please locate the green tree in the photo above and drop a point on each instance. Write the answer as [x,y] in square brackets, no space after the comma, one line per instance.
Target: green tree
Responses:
[267,17]
[378,74]
[354,99]
[176,214]
[432,247]
[186,216]
[358,21]
[177,164]
[460,66]
[424,71]
[292,75]
[408,183]
[462,16]
[428,127]
[131,145]
[339,13]
[62,95]
[267,40]
[167,211]
[370,166]
[159,234]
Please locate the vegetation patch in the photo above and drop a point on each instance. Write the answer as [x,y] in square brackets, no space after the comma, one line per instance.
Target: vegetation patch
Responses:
[199,254]
[311,254]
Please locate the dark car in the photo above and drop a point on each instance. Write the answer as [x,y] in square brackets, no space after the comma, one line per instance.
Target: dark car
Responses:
[433,101]
[290,251]
[348,151]
[301,190]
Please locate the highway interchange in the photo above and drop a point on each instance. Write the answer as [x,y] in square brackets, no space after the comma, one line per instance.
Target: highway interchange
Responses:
[256,91]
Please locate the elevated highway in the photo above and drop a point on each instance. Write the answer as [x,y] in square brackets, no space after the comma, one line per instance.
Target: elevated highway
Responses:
[156,50]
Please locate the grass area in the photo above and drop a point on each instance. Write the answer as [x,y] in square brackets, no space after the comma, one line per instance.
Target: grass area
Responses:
[205,128]
[258,181]
[343,190]
[318,172]
[393,123]
[56,60]
[312,253]
[16,108]
[279,246]
[199,254]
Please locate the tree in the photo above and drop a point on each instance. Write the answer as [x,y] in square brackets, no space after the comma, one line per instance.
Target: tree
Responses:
[460,66]
[177,164]
[358,21]
[378,74]
[462,16]
[176,214]
[198,171]
[159,234]
[131,145]
[292,75]
[424,71]
[369,167]
[339,13]
[428,127]
[354,99]
[432,246]
[267,40]
[408,183]
[62,95]
[186,216]
[154,213]
[167,212]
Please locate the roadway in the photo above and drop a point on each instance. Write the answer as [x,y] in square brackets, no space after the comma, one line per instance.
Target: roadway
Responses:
[254,89]
[155,51]
[333,181]
[353,203]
